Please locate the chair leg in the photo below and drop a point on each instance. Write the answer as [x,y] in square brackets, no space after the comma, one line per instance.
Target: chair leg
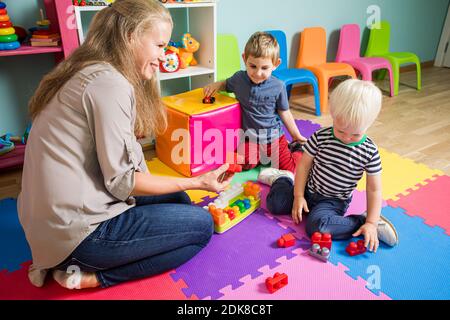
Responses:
[323,88]
[317,99]
[419,75]
[289,91]
[396,73]
[391,81]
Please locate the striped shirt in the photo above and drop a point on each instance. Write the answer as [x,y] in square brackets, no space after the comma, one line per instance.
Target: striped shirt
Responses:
[337,168]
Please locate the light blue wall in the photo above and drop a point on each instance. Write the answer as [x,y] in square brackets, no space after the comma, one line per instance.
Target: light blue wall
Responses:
[416,27]
[416,24]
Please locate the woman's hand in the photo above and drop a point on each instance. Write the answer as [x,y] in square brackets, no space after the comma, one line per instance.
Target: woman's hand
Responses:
[298,207]
[369,231]
[216,181]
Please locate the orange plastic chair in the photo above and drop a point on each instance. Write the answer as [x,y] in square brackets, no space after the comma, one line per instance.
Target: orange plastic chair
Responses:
[312,55]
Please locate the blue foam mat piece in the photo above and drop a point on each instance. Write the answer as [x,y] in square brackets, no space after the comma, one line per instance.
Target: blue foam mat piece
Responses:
[418,268]
[14,249]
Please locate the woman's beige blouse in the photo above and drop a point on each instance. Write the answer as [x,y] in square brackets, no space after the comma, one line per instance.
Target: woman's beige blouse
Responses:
[80,161]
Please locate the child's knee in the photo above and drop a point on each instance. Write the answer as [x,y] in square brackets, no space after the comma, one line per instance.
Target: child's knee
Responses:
[316,225]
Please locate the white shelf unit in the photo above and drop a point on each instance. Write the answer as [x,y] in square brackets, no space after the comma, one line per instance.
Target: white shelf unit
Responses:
[200,21]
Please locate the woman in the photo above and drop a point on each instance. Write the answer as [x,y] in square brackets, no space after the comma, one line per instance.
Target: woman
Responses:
[90,209]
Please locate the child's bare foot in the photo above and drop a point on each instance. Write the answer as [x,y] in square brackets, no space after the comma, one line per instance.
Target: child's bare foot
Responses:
[76,280]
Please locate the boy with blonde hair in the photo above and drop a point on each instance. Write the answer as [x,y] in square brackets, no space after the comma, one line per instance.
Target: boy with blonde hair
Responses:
[265,106]
[334,161]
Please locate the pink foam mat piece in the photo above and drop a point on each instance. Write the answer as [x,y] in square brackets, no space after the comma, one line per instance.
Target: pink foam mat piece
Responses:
[16,286]
[430,202]
[308,279]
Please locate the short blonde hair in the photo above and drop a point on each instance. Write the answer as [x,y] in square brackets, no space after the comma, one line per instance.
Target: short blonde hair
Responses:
[262,45]
[356,103]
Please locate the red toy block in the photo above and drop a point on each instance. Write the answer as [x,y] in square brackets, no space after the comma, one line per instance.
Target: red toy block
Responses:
[356,248]
[234,168]
[286,241]
[323,240]
[275,283]
[209,100]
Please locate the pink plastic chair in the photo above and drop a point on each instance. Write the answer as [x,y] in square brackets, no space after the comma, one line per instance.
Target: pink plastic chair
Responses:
[348,52]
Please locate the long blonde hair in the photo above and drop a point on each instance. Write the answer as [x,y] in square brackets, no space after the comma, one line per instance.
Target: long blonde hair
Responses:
[110,38]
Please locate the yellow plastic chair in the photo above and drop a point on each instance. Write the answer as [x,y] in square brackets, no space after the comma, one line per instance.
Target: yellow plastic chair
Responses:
[378,46]
[312,55]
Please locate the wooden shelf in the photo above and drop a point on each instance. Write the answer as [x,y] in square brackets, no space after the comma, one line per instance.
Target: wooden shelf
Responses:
[27,50]
[188,72]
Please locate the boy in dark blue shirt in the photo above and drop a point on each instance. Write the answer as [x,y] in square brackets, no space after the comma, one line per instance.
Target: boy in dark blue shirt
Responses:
[265,105]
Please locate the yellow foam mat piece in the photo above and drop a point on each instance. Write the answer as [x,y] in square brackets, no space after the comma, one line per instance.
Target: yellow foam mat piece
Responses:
[158,168]
[400,174]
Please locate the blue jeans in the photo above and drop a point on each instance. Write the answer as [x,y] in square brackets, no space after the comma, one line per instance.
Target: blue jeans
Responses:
[326,215]
[159,234]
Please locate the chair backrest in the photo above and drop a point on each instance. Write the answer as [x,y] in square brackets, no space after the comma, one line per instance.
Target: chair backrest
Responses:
[313,47]
[379,40]
[228,56]
[282,42]
[349,43]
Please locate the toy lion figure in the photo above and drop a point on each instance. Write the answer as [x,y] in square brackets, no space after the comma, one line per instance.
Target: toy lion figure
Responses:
[186,52]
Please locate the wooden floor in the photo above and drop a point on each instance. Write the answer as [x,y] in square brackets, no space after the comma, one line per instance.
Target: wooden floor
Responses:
[415,125]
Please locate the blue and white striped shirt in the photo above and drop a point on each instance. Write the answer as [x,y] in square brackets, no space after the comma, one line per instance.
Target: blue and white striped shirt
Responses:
[337,167]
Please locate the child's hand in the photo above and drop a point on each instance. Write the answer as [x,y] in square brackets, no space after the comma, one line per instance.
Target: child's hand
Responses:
[369,231]
[301,139]
[211,89]
[299,206]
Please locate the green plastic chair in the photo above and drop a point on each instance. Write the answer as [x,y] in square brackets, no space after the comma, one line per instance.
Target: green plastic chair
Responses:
[228,58]
[378,46]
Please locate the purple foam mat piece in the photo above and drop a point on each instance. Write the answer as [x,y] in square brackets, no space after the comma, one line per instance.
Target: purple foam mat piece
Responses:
[233,255]
[306,127]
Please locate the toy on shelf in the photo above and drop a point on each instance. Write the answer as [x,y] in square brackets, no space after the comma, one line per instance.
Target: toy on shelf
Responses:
[318,252]
[6,146]
[278,281]
[80,3]
[43,23]
[186,51]
[171,62]
[356,248]
[286,241]
[323,240]
[8,36]
[234,205]
[42,35]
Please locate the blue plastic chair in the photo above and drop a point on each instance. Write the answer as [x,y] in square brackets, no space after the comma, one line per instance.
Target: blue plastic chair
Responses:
[291,76]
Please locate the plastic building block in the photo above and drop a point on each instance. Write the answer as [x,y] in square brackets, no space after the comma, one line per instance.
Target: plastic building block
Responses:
[233,169]
[323,254]
[356,248]
[209,100]
[234,205]
[323,240]
[275,283]
[286,241]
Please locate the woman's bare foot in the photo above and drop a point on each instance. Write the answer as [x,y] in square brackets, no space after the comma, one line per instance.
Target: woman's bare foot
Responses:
[76,280]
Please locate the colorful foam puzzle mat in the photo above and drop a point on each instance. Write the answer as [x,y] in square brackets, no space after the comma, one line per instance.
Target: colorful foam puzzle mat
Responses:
[235,264]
